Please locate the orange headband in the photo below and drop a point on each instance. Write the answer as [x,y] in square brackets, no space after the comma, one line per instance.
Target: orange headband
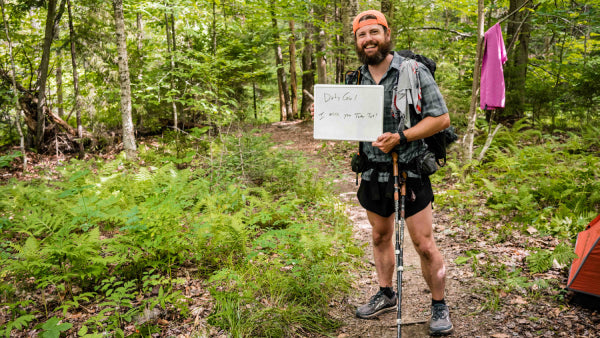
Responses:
[380,19]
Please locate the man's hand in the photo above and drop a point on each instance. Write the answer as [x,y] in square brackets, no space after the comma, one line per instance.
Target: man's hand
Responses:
[387,142]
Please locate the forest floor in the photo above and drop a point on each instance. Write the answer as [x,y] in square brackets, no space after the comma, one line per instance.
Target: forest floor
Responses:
[474,312]
[480,305]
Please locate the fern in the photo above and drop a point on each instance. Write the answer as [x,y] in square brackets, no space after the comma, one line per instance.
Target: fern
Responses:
[6,160]
[542,260]
[18,323]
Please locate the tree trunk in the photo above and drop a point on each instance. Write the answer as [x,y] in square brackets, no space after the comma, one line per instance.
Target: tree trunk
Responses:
[347,13]
[518,29]
[14,87]
[308,69]
[140,33]
[340,44]
[321,46]
[75,79]
[140,48]
[387,8]
[128,132]
[470,134]
[214,27]
[291,114]
[43,74]
[284,96]
[170,50]
[59,83]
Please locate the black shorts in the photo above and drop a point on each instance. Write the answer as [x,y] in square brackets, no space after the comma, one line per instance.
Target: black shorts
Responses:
[418,195]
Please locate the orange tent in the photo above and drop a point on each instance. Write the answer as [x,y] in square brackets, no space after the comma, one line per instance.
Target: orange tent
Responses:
[584,275]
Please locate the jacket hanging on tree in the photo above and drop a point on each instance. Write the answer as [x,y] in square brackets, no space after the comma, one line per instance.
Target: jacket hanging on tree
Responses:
[492,74]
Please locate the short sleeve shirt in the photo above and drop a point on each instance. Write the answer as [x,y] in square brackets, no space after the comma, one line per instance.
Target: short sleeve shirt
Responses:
[432,104]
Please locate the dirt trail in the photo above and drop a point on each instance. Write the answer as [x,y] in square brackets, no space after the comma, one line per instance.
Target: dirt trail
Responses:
[479,306]
[416,297]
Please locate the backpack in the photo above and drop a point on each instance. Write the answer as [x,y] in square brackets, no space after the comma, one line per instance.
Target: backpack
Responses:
[437,143]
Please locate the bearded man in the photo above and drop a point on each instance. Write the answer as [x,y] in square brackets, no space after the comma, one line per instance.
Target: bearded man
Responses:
[381,66]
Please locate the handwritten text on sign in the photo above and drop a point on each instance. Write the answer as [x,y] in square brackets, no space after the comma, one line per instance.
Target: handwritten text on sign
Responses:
[346,112]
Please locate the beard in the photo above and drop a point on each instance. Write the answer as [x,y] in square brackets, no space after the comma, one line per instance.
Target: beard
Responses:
[383,49]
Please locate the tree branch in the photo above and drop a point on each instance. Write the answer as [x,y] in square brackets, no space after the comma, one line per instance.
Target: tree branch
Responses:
[513,12]
[460,34]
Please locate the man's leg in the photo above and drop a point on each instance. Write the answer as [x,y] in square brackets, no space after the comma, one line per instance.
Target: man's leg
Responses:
[383,247]
[433,269]
[385,262]
[432,264]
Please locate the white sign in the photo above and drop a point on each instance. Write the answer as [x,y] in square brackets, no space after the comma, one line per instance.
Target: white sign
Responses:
[348,112]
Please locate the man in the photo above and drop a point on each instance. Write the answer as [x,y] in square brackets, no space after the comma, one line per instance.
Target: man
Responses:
[381,67]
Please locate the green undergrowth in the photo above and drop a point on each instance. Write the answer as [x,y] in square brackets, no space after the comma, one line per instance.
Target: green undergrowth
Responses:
[533,190]
[252,221]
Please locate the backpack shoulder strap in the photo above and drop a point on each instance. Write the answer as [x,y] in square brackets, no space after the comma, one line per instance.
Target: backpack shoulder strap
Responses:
[353,77]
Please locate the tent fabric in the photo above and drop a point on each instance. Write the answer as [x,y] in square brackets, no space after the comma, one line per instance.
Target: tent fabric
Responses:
[584,275]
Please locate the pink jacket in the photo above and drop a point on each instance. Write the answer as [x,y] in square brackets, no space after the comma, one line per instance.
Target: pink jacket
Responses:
[492,75]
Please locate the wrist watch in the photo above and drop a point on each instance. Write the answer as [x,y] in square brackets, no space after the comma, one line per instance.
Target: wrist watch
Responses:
[403,139]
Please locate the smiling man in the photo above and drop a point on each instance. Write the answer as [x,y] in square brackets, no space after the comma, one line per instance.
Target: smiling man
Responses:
[381,66]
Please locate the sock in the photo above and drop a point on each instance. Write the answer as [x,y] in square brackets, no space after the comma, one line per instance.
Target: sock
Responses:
[387,291]
[433,301]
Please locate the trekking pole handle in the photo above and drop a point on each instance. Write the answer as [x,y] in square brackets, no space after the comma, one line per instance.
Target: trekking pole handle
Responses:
[402,180]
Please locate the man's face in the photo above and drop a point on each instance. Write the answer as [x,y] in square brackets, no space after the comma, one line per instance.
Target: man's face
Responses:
[372,44]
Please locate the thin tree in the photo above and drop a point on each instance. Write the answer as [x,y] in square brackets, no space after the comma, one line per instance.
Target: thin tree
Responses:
[387,8]
[140,45]
[171,51]
[321,45]
[43,74]
[349,11]
[518,32]
[469,135]
[344,14]
[339,45]
[308,68]
[291,114]
[59,83]
[15,95]
[284,95]
[75,79]
[128,132]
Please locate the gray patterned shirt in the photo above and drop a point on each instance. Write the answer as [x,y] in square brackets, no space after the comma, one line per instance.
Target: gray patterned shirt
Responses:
[432,105]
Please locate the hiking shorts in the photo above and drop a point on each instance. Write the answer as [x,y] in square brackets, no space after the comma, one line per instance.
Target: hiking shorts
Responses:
[418,195]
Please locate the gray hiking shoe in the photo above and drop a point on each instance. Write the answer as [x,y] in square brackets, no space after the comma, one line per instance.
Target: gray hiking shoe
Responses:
[440,324]
[377,305]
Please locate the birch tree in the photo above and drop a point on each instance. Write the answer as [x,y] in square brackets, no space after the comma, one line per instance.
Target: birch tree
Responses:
[15,91]
[122,60]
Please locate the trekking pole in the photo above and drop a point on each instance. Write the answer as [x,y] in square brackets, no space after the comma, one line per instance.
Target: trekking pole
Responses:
[399,218]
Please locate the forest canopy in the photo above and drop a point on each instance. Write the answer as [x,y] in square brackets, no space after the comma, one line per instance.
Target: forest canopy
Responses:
[207,63]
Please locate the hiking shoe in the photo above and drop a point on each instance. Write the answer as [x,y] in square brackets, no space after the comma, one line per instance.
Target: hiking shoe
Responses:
[440,324]
[377,305]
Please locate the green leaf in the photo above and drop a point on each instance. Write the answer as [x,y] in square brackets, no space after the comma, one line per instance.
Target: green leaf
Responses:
[83,330]
[460,260]
[52,328]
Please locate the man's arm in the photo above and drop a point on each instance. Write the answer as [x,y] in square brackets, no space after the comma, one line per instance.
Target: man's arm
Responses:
[428,126]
